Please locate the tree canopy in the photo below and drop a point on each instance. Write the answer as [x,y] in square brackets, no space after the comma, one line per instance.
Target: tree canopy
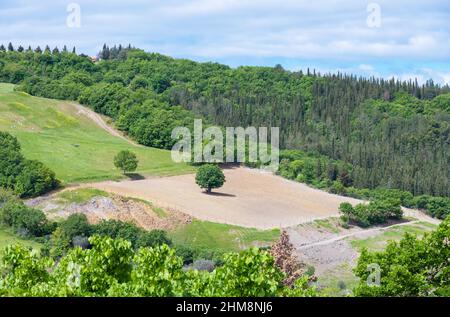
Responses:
[209,176]
[127,161]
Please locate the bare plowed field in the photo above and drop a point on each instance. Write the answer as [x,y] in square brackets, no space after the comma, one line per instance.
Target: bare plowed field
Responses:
[249,198]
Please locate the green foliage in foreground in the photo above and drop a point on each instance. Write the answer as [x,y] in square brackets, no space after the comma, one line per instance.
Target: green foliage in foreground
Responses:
[112,268]
[376,212]
[411,267]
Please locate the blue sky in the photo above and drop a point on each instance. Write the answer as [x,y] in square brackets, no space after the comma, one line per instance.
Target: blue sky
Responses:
[411,40]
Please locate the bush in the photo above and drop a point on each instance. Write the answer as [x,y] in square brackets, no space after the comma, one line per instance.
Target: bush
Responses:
[118,229]
[204,265]
[35,179]
[27,221]
[76,225]
[438,207]
[129,231]
[26,177]
[338,188]
[152,238]
[376,212]
[411,267]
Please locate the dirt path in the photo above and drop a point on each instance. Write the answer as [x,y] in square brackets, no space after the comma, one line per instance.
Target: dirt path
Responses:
[328,250]
[353,234]
[98,119]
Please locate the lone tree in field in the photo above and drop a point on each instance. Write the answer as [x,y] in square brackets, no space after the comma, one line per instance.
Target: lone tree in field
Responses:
[126,161]
[209,176]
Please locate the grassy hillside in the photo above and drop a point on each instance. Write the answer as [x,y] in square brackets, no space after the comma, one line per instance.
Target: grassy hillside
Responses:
[71,144]
[8,238]
[217,236]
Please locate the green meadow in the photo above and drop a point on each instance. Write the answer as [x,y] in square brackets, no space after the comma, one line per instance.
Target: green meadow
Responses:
[71,144]
[223,237]
[8,238]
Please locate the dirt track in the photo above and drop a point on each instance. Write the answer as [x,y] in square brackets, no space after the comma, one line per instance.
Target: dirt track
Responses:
[98,119]
[249,198]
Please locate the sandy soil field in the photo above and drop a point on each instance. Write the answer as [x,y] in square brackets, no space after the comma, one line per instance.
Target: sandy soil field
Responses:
[249,198]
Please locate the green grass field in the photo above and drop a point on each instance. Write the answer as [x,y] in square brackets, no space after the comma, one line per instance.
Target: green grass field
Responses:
[216,236]
[8,238]
[71,144]
[379,242]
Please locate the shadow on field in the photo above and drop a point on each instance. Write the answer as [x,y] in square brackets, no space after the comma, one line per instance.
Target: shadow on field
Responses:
[135,176]
[220,194]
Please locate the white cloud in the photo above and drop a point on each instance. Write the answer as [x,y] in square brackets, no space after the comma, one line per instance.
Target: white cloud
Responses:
[322,32]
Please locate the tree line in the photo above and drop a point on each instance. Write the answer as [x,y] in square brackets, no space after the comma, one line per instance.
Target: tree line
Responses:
[395,134]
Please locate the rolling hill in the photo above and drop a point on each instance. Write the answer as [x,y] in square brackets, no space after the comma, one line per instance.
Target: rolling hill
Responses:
[61,135]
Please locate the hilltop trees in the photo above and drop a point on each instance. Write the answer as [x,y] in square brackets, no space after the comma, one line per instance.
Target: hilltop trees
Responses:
[127,161]
[393,134]
[209,176]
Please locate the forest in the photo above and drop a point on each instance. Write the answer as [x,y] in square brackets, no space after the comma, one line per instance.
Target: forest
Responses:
[393,134]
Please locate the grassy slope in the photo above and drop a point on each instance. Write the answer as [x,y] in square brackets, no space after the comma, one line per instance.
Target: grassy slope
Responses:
[379,242]
[69,143]
[8,238]
[209,235]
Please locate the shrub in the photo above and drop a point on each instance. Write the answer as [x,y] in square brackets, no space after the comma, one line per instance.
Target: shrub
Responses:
[25,220]
[76,225]
[26,177]
[129,231]
[338,188]
[35,179]
[204,265]
[376,212]
[118,229]
[152,238]
[411,267]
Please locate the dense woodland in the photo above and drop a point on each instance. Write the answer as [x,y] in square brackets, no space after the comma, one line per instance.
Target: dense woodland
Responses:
[393,134]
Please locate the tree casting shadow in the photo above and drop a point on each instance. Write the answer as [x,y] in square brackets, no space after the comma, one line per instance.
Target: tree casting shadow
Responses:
[134,176]
[219,194]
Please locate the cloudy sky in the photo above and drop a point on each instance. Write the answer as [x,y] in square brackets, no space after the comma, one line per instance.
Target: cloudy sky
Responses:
[405,39]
